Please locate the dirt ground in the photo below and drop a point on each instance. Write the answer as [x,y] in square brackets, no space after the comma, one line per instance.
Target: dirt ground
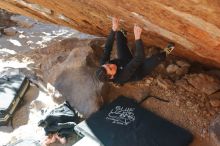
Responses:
[182,109]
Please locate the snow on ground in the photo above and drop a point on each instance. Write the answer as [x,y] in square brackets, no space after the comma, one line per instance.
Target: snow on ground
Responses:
[14,64]
[31,34]
[36,35]
[29,118]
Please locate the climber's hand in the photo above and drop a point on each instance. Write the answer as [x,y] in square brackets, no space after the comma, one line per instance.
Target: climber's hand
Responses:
[115,23]
[137,32]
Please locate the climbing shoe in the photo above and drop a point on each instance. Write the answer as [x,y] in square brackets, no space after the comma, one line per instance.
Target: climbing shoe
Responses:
[124,32]
[169,48]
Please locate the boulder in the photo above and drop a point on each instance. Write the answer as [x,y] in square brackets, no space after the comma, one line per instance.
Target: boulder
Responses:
[73,75]
[193,25]
[175,71]
[11,31]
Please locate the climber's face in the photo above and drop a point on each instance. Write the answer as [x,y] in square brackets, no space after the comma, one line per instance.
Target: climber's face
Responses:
[111,69]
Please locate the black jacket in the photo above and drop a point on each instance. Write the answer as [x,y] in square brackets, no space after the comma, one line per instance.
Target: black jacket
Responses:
[126,70]
[61,120]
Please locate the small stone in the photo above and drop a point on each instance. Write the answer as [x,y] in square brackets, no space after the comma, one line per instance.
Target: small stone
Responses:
[172,68]
[10,31]
[215,102]
[148,81]
[181,71]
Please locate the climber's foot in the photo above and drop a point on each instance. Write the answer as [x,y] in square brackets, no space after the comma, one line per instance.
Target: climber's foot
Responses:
[124,32]
[170,47]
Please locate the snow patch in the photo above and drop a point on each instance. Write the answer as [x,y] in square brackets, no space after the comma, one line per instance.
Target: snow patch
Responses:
[7,51]
[47,34]
[21,36]
[60,32]
[14,64]
[30,42]
[20,31]
[15,42]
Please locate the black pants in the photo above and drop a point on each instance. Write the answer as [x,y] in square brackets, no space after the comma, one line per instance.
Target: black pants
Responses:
[124,53]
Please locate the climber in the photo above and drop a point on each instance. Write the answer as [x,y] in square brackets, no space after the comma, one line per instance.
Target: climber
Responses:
[127,68]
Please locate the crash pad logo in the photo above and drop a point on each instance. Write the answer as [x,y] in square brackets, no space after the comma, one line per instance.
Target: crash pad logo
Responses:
[121,115]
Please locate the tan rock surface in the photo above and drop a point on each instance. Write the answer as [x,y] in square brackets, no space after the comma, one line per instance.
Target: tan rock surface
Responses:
[193,24]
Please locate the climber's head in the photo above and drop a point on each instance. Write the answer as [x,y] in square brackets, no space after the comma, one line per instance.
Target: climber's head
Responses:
[106,72]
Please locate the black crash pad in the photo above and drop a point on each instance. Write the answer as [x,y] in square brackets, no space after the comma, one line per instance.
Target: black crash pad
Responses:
[124,123]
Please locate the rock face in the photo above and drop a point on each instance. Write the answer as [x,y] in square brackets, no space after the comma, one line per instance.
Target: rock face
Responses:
[193,25]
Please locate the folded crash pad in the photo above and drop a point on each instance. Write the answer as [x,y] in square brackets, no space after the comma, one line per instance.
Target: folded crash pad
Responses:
[12,89]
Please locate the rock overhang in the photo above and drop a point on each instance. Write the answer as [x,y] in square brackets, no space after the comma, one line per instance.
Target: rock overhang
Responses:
[193,25]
